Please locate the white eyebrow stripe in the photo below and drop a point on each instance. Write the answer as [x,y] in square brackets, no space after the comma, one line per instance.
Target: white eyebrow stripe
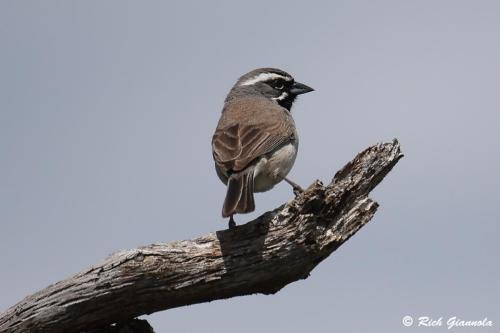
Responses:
[262,77]
[281,97]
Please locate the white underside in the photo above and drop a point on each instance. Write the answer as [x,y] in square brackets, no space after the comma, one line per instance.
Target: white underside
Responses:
[273,168]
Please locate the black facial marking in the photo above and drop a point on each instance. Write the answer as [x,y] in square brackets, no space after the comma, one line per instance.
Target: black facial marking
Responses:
[280,84]
[272,88]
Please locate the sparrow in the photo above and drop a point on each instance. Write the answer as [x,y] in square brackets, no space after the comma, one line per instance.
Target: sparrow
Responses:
[255,143]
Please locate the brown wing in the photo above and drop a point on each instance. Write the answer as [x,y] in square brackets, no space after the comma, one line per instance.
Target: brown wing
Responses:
[246,134]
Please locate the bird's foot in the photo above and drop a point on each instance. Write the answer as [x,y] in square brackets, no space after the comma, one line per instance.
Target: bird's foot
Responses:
[231,223]
[297,190]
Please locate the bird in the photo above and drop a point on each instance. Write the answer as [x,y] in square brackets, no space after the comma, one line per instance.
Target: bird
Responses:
[255,142]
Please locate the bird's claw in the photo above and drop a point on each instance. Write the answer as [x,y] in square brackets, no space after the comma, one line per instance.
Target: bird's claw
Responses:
[297,190]
[231,223]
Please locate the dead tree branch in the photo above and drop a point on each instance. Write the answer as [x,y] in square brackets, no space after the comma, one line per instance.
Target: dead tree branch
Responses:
[262,256]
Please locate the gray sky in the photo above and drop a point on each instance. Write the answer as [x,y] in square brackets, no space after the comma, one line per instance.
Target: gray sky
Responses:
[107,110]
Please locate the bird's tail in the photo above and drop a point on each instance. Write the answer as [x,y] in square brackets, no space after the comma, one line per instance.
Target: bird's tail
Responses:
[239,196]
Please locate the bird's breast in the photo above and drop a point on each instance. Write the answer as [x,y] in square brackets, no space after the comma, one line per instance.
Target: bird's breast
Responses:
[274,167]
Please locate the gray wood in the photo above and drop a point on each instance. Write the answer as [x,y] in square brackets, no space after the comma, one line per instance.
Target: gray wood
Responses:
[262,256]
[130,326]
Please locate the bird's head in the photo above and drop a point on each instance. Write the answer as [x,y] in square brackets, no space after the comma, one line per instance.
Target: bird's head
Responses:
[271,83]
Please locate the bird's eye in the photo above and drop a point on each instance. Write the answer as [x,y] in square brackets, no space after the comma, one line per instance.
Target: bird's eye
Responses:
[279,85]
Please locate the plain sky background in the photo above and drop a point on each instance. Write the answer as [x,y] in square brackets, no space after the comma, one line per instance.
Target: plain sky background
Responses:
[107,109]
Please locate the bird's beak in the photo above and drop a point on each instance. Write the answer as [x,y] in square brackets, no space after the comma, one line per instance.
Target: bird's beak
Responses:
[300,88]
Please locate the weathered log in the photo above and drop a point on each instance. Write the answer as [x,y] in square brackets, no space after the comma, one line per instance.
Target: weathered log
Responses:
[261,256]
[130,326]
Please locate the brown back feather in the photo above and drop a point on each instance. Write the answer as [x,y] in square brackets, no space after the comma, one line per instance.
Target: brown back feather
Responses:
[248,129]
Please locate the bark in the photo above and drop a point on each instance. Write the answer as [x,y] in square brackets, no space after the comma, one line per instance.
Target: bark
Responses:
[261,256]
[130,326]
